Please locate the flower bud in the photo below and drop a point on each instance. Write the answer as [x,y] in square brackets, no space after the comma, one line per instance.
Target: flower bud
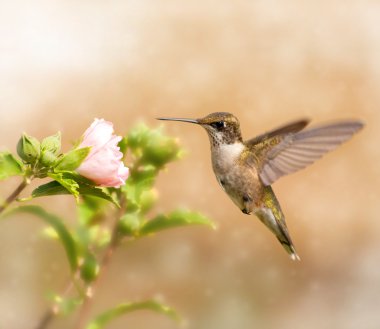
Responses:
[28,148]
[90,268]
[148,199]
[52,144]
[129,224]
[48,158]
[50,147]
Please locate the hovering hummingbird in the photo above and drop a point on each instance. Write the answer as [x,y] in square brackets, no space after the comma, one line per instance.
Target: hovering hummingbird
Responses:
[247,169]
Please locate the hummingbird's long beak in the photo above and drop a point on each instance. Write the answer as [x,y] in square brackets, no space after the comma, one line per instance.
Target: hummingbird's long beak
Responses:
[179,119]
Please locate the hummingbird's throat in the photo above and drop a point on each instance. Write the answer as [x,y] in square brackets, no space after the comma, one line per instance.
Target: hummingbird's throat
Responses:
[215,138]
[218,138]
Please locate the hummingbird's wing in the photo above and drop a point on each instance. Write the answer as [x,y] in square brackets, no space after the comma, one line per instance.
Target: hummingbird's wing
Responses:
[291,127]
[279,155]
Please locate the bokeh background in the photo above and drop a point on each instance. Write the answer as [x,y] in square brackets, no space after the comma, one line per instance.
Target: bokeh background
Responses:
[63,63]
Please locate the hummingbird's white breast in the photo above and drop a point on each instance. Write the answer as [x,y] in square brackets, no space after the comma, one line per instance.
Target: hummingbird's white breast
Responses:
[225,155]
[228,171]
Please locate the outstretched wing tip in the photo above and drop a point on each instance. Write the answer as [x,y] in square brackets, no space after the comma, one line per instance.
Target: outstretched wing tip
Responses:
[303,148]
[360,124]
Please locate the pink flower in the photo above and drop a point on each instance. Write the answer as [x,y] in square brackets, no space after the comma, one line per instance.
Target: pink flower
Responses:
[103,165]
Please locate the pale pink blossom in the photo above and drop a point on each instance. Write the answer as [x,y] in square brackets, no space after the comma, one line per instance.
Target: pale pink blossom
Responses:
[103,165]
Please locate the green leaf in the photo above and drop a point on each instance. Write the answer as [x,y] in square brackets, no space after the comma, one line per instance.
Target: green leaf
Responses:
[72,160]
[104,318]
[90,210]
[99,192]
[55,188]
[78,178]
[135,193]
[9,166]
[28,148]
[175,219]
[123,144]
[143,173]
[69,184]
[48,189]
[50,233]
[59,226]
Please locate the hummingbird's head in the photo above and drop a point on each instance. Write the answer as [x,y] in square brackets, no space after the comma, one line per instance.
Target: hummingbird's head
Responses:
[221,127]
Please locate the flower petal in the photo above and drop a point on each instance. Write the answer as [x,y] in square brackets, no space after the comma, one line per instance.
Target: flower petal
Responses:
[98,134]
[103,165]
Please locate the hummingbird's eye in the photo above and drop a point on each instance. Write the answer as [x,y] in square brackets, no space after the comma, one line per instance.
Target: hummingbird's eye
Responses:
[219,125]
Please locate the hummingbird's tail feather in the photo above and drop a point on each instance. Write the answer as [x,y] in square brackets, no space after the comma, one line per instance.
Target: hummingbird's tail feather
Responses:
[290,250]
[272,216]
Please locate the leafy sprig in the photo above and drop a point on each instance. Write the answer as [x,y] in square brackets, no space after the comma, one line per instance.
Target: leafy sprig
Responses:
[106,216]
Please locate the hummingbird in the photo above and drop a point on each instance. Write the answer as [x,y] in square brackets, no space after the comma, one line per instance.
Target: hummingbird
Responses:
[246,169]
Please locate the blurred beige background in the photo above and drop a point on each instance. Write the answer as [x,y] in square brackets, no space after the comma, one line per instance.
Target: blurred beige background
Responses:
[63,63]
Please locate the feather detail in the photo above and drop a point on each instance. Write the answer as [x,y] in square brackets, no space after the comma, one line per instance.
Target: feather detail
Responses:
[299,150]
[271,215]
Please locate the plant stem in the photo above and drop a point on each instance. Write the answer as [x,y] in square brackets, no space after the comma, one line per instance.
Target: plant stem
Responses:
[51,312]
[13,196]
[45,320]
[87,303]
